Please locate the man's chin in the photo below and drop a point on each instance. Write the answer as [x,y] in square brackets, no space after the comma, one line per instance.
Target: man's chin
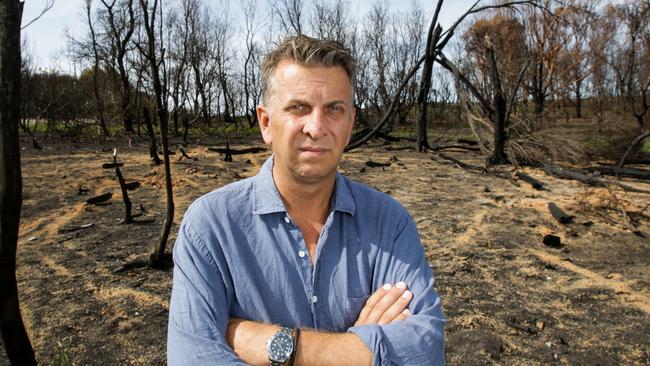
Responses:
[314,174]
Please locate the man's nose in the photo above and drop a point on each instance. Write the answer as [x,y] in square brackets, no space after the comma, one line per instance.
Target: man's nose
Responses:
[315,124]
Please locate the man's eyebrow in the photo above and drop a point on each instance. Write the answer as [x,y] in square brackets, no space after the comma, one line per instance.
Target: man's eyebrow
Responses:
[297,101]
[335,102]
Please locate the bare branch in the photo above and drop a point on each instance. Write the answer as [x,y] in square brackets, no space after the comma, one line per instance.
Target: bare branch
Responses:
[48,5]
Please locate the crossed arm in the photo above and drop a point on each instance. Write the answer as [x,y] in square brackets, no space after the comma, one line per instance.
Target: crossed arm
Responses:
[388,304]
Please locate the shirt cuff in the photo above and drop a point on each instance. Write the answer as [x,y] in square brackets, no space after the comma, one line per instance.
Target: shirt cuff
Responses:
[372,335]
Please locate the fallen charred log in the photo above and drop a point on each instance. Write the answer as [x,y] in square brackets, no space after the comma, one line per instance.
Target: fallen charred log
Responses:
[399,148]
[461,164]
[249,150]
[573,175]
[100,199]
[467,142]
[621,172]
[461,147]
[530,180]
[561,216]
[374,164]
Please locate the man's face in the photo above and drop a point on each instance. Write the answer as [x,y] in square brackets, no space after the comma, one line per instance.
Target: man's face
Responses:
[308,120]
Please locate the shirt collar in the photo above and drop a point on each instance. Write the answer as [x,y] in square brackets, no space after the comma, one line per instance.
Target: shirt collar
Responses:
[266,198]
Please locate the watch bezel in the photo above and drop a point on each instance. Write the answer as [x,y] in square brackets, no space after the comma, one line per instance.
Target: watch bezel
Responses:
[277,357]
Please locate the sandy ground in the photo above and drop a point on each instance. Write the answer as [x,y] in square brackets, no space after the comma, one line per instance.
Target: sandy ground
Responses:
[509,299]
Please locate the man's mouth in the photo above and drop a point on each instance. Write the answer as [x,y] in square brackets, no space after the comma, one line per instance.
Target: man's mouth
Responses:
[313,150]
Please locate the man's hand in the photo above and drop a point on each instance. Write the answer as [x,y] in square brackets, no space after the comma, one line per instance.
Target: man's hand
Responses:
[386,305]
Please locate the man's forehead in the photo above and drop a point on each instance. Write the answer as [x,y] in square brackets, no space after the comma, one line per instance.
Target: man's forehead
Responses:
[293,80]
[295,66]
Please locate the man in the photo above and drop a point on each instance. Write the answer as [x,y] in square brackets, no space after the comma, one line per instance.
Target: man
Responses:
[299,265]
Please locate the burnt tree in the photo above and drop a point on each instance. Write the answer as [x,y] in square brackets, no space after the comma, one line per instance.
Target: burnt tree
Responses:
[435,50]
[121,25]
[499,112]
[155,58]
[425,84]
[16,341]
[99,99]
[153,147]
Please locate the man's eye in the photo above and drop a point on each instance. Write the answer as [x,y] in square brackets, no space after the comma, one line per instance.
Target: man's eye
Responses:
[336,108]
[297,107]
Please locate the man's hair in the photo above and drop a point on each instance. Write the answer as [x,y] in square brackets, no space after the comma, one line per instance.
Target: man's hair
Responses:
[306,51]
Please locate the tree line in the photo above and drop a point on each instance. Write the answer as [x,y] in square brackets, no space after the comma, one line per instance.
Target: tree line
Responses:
[536,58]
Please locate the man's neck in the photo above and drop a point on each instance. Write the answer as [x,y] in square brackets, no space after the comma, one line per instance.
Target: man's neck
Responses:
[305,201]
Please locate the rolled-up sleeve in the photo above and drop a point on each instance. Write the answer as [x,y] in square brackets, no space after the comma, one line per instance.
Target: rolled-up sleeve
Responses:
[418,340]
[199,307]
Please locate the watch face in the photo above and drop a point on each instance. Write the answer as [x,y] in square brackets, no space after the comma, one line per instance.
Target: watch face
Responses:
[280,347]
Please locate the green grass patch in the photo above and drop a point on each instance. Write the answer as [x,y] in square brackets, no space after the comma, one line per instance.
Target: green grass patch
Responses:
[646,147]
[597,144]
[63,357]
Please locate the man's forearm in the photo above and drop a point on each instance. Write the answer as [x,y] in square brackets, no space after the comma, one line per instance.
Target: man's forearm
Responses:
[388,304]
[322,349]
[248,340]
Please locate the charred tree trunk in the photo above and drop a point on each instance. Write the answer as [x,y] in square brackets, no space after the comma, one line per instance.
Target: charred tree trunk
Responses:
[578,98]
[158,258]
[121,38]
[16,341]
[640,114]
[252,121]
[99,102]
[537,91]
[499,114]
[226,100]
[128,217]
[202,93]
[186,129]
[175,119]
[126,104]
[425,84]
[153,148]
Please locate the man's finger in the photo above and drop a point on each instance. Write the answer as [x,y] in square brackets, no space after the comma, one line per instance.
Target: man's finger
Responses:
[396,308]
[371,302]
[385,303]
[403,315]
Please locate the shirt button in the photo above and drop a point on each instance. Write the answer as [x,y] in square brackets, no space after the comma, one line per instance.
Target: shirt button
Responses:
[287,219]
[301,254]
[314,299]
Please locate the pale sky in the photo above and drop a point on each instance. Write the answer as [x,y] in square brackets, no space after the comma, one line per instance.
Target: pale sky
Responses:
[47,36]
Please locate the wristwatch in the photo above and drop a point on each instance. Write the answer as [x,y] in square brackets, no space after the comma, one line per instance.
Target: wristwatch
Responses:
[280,346]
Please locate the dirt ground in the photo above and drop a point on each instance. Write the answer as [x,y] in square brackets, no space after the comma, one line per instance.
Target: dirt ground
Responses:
[509,299]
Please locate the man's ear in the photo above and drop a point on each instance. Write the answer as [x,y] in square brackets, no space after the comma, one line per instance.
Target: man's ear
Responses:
[264,120]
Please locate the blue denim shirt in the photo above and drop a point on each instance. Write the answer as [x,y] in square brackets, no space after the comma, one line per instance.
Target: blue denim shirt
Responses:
[239,254]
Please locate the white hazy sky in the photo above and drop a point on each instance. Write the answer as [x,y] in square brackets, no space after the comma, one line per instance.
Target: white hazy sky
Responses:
[47,36]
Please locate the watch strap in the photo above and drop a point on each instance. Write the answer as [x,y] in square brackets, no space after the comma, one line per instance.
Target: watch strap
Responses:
[296,337]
